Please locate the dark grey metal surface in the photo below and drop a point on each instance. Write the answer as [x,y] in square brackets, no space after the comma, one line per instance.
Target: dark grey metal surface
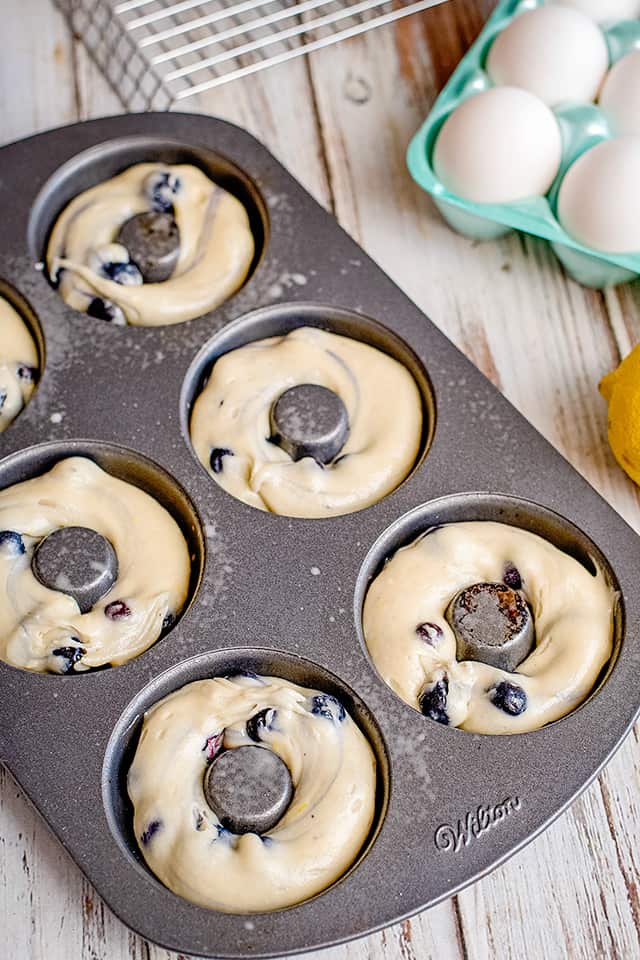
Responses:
[77,561]
[274,594]
[153,241]
[492,623]
[310,421]
[248,788]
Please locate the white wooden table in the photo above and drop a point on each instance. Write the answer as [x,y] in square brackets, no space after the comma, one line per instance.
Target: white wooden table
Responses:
[341,121]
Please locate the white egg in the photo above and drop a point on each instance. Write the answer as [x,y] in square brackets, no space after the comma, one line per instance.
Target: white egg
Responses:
[620,95]
[599,200]
[555,52]
[498,146]
[603,10]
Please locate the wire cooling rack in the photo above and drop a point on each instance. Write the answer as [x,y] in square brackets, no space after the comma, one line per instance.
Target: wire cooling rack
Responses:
[156,53]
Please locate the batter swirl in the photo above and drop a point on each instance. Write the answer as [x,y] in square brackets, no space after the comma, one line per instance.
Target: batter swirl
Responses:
[18,364]
[321,833]
[231,432]
[42,629]
[414,647]
[96,273]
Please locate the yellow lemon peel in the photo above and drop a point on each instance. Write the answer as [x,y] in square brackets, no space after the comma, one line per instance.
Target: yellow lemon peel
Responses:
[621,390]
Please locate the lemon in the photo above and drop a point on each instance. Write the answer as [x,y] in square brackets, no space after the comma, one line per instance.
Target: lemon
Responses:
[621,390]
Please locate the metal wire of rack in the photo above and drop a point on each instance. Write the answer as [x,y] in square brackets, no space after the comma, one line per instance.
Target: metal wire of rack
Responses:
[157,53]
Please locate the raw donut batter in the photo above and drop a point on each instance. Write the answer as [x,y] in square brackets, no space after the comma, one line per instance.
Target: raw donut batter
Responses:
[18,364]
[42,629]
[414,648]
[230,425]
[96,274]
[332,767]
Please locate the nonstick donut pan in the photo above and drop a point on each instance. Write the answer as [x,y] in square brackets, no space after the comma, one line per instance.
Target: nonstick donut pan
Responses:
[273,594]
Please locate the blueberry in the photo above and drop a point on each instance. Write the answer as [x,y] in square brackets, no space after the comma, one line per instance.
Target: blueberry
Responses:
[433,702]
[112,261]
[212,745]
[106,310]
[324,705]
[117,610]
[430,633]
[259,722]
[126,274]
[509,697]
[248,674]
[216,456]
[70,655]
[161,188]
[12,542]
[27,373]
[151,830]
[198,819]
[169,620]
[512,577]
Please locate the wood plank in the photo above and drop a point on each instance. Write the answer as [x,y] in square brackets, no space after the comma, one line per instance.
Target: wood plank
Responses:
[545,342]
[261,104]
[37,87]
[341,122]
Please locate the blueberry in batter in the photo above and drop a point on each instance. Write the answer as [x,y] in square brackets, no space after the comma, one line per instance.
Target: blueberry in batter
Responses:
[117,609]
[18,364]
[310,424]
[69,656]
[485,590]
[324,705]
[113,263]
[259,722]
[216,457]
[319,777]
[512,577]
[510,698]
[162,187]
[46,621]
[12,542]
[433,702]
[106,310]
[150,832]
[429,632]
[154,245]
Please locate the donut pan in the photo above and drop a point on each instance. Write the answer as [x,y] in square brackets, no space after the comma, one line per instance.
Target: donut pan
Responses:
[269,593]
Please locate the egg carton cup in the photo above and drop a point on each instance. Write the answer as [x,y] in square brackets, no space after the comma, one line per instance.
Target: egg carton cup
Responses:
[582,126]
[269,593]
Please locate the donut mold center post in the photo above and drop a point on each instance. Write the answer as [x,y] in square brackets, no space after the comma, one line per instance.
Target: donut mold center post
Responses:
[153,241]
[492,623]
[77,561]
[309,420]
[248,788]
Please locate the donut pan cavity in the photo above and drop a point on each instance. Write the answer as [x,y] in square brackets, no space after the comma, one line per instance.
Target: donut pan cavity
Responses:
[274,594]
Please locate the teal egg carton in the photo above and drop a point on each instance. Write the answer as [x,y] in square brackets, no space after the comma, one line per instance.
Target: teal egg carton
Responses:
[582,126]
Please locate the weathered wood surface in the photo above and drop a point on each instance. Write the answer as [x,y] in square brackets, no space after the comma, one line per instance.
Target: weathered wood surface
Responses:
[340,121]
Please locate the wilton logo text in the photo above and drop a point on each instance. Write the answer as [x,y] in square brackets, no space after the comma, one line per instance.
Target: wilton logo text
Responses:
[451,839]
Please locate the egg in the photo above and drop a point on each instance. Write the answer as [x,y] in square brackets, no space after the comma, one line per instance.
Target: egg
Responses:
[555,52]
[599,200]
[500,145]
[605,10]
[620,95]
